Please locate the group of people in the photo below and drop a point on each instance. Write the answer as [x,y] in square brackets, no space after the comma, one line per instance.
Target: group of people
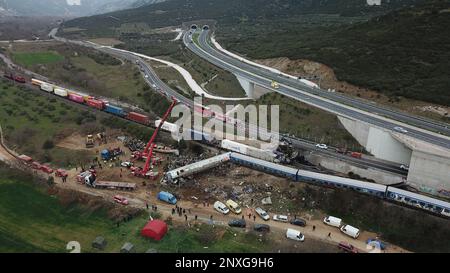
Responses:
[181,211]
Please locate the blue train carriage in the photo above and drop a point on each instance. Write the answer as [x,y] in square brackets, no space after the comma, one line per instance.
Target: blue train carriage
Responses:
[342,182]
[264,166]
[115,110]
[419,200]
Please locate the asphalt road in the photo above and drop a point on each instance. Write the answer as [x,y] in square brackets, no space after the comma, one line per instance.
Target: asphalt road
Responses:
[157,84]
[320,98]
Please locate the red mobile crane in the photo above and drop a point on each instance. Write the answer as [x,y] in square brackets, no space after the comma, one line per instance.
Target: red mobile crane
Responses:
[148,151]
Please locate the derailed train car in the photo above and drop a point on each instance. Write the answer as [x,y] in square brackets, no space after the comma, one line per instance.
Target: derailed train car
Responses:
[385,192]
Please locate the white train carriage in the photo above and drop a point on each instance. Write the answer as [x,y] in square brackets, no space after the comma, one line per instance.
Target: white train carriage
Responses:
[167,126]
[263,165]
[197,167]
[248,150]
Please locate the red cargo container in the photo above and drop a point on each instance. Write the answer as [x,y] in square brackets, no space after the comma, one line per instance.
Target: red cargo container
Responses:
[76,98]
[138,117]
[356,155]
[96,103]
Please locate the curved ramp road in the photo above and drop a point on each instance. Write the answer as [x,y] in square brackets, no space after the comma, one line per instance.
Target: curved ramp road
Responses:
[331,102]
[156,83]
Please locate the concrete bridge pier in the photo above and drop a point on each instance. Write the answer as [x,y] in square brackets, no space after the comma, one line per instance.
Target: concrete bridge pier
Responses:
[252,90]
[429,165]
[378,142]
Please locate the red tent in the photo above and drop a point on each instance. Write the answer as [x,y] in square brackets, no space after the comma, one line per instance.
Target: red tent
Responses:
[155,229]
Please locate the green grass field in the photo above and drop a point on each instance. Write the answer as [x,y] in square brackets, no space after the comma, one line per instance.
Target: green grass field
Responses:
[29,119]
[92,72]
[33,221]
[29,59]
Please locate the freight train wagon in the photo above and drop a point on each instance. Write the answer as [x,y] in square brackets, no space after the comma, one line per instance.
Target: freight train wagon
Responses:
[91,102]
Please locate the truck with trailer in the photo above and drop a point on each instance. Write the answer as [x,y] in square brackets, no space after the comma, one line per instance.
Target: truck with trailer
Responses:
[115,185]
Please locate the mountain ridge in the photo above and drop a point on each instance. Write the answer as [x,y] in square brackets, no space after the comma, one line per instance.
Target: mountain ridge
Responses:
[66,8]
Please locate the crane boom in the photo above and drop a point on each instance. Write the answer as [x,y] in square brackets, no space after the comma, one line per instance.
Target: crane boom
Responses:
[150,145]
[155,133]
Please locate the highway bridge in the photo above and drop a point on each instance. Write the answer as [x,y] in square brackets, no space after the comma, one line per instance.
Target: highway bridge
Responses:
[421,143]
[429,163]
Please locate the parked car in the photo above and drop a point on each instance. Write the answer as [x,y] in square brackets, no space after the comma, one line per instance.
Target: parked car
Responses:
[280,218]
[332,221]
[262,213]
[120,199]
[298,222]
[350,231]
[295,235]
[167,197]
[322,146]
[240,223]
[400,129]
[126,164]
[233,206]
[261,228]
[220,207]
[347,247]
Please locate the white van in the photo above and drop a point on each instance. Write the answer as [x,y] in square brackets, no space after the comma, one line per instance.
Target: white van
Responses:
[332,221]
[220,207]
[350,231]
[294,235]
[233,206]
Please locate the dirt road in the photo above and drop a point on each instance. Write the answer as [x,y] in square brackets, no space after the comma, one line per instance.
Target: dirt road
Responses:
[205,212]
[5,155]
